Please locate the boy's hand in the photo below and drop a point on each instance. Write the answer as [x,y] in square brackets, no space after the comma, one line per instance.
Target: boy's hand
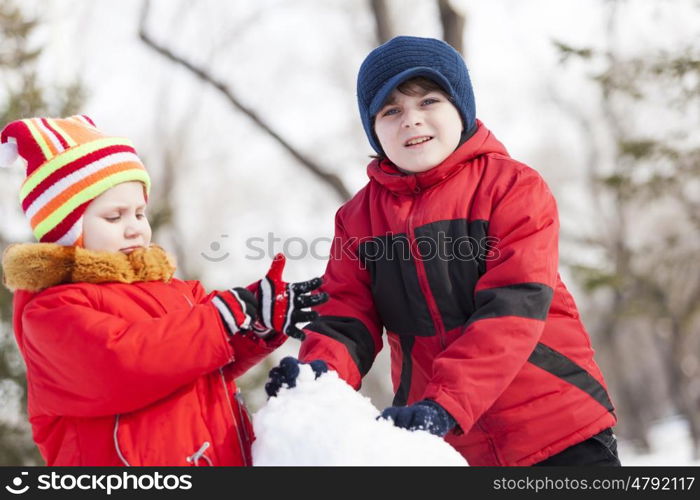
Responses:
[282,304]
[424,415]
[287,373]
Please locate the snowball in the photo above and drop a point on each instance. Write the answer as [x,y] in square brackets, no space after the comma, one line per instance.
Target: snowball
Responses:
[325,422]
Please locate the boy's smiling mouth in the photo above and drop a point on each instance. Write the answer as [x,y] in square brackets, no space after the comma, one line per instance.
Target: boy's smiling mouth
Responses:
[415,141]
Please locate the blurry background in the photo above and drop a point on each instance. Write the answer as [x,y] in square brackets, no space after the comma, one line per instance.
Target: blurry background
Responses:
[245,115]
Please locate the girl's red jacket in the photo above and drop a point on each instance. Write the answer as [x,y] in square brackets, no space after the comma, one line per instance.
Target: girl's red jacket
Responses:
[138,373]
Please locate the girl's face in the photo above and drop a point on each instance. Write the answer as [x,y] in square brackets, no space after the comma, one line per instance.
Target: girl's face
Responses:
[417,132]
[116,220]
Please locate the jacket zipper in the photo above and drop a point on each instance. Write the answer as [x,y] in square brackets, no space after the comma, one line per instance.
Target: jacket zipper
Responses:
[116,442]
[233,417]
[422,275]
[199,454]
[241,408]
[432,305]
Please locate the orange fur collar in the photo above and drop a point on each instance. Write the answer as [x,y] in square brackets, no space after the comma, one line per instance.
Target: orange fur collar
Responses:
[35,266]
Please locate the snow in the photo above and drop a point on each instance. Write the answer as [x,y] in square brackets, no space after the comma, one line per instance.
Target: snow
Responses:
[670,446]
[324,421]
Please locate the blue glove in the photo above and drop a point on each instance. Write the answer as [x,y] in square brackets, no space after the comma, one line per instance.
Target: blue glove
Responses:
[424,415]
[287,373]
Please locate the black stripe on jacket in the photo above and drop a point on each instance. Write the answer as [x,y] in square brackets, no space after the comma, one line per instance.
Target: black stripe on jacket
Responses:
[350,332]
[401,396]
[525,300]
[395,288]
[453,253]
[560,366]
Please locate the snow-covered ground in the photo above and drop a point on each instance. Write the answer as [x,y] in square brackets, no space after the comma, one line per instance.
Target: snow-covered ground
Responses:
[670,443]
[325,422]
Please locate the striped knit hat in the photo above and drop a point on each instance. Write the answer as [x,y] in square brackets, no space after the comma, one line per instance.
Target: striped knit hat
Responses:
[69,163]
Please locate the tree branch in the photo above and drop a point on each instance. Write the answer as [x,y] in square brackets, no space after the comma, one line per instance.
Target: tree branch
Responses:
[331,180]
[382,21]
[452,25]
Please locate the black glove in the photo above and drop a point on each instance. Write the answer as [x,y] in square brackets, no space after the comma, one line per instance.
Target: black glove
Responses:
[238,308]
[287,373]
[276,298]
[424,415]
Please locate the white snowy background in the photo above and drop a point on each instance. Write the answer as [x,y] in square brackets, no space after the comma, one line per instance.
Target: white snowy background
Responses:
[241,197]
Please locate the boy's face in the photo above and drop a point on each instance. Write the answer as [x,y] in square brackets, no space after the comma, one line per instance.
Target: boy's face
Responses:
[116,220]
[417,132]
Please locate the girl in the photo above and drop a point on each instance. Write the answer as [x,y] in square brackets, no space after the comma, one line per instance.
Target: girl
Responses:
[127,365]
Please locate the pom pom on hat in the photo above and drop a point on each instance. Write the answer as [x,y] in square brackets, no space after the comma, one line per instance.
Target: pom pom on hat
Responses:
[8,154]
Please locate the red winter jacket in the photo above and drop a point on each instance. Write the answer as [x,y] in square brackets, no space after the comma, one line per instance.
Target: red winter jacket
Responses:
[135,373]
[459,265]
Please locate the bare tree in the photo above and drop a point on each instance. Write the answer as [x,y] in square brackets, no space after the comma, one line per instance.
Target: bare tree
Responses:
[651,173]
[453,23]
[382,20]
[329,179]
[451,20]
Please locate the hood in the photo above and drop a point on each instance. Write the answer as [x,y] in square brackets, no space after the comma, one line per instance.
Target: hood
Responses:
[385,173]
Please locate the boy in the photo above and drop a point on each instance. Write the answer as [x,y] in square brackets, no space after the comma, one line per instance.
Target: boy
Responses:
[452,248]
[127,365]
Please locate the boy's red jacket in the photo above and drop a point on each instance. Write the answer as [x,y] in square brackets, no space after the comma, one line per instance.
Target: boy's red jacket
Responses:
[134,373]
[460,265]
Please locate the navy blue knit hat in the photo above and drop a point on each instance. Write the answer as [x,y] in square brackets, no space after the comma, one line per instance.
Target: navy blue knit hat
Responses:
[405,57]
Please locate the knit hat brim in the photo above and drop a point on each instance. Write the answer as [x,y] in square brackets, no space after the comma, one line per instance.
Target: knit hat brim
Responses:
[383,94]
